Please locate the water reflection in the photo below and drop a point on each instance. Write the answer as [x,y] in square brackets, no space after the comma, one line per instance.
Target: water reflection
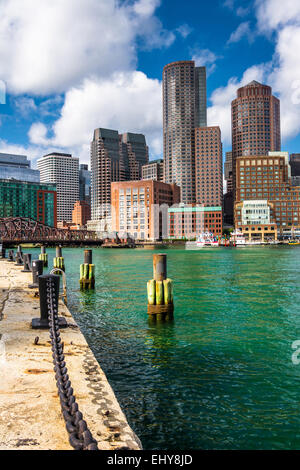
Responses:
[217,375]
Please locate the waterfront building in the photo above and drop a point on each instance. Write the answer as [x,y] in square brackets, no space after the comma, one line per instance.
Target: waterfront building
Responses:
[154,170]
[17,167]
[63,170]
[102,227]
[208,166]
[188,222]
[81,213]
[36,201]
[114,157]
[140,208]
[255,124]
[184,109]
[84,183]
[268,178]
[256,220]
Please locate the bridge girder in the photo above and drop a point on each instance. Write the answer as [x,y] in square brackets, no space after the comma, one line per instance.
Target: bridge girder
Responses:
[18,229]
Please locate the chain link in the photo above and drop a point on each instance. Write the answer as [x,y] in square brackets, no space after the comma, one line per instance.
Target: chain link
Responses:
[80,437]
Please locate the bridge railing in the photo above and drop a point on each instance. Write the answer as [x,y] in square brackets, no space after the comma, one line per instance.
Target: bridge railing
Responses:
[18,229]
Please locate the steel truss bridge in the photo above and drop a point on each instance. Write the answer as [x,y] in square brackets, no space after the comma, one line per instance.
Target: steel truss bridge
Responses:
[23,230]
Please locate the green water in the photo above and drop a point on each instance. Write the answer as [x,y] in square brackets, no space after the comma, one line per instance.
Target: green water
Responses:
[221,375]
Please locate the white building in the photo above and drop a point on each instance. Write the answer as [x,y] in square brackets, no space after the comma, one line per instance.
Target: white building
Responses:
[63,170]
[256,212]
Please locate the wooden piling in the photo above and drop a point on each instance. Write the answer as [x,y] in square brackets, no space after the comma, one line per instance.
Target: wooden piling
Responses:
[58,261]
[160,289]
[44,256]
[87,271]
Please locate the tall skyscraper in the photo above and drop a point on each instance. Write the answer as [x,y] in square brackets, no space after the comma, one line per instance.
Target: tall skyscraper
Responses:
[208,166]
[137,153]
[295,164]
[84,184]
[114,157]
[184,109]
[63,170]
[228,171]
[255,123]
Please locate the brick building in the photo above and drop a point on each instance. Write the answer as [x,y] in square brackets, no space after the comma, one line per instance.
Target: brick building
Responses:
[81,213]
[268,178]
[208,166]
[140,208]
[188,222]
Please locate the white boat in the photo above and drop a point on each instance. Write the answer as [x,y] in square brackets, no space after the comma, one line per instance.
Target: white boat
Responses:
[237,238]
[207,239]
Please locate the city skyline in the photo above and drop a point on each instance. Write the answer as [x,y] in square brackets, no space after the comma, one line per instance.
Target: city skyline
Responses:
[39,115]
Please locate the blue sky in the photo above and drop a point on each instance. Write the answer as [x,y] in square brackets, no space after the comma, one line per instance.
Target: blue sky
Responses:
[72,65]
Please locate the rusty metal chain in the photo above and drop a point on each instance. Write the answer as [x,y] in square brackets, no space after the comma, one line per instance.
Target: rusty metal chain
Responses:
[80,437]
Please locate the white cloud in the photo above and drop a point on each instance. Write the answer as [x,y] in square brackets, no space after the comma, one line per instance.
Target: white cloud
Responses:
[128,101]
[282,73]
[272,14]
[205,57]
[243,30]
[229,4]
[284,20]
[25,106]
[49,46]
[33,152]
[184,30]
[243,11]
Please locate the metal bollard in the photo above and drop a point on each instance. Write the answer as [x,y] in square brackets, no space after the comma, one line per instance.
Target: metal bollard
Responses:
[27,263]
[19,257]
[37,270]
[11,256]
[42,323]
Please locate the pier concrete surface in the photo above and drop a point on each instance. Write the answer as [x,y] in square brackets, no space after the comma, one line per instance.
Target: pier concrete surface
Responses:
[30,411]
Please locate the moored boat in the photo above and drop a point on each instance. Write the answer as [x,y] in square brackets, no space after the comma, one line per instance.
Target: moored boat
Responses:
[237,238]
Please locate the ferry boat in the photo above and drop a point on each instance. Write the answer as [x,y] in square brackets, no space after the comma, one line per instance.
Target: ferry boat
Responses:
[237,238]
[207,239]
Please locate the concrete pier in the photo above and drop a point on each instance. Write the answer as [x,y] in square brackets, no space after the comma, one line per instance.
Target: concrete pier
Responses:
[30,412]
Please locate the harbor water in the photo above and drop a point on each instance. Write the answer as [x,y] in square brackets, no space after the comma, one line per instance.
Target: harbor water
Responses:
[220,376]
